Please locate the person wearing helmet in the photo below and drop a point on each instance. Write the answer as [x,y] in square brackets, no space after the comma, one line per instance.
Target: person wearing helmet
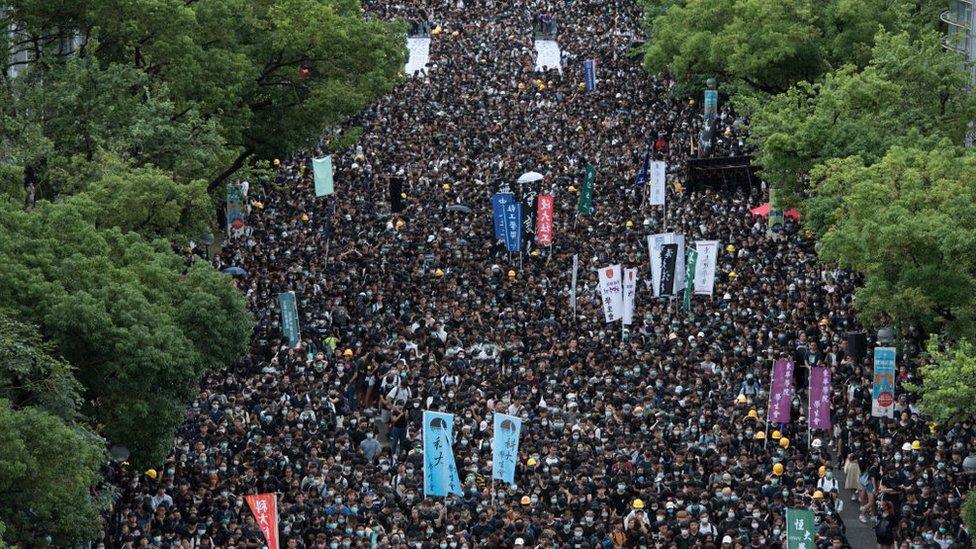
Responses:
[636,523]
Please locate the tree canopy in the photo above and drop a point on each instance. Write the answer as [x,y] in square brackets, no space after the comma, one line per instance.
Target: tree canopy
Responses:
[138,324]
[907,223]
[769,46]
[912,93]
[949,383]
[195,88]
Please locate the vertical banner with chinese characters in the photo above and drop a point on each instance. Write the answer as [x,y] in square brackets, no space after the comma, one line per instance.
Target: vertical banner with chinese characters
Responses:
[659,170]
[289,318]
[800,528]
[498,203]
[265,509]
[883,391]
[513,227]
[630,291]
[589,75]
[611,289]
[690,278]
[543,225]
[820,392]
[585,206]
[669,262]
[705,266]
[504,447]
[781,392]
[440,471]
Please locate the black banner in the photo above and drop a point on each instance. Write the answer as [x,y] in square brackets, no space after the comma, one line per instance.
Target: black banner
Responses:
[669,258]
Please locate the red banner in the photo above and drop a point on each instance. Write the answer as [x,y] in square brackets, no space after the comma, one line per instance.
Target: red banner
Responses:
[265,509]
[543,224]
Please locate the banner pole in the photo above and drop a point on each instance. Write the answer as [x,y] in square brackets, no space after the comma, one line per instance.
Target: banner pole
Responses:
[769,399]
[809,405]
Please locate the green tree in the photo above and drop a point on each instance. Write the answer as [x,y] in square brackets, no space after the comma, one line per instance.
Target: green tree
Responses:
[911,94]
[48,470]
[205,86]
[767,46]
[32,375]
[908,223]
[139,325]
[949,382]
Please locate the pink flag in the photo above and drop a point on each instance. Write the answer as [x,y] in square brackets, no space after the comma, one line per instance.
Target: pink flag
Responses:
[543,234]
[820,398]
[265,509]
[781,392]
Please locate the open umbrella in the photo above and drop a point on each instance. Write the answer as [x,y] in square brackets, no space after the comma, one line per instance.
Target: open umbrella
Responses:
[459,208]
[763,211]
[234,271]
[529,177]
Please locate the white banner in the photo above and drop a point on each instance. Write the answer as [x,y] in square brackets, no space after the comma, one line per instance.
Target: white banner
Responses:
[654,243]
[705,268]
[572,289]
[611,288]
[630,290]
[659,171]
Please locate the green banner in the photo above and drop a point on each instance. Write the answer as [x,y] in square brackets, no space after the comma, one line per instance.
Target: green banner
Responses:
[586,195]
[322,174]
[800,528]
[289,318]
[690,277]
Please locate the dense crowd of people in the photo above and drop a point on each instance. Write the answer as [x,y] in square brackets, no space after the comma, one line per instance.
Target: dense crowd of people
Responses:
[652,436]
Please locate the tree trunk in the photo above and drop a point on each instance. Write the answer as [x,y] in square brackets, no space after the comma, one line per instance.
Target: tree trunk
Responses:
[238,163]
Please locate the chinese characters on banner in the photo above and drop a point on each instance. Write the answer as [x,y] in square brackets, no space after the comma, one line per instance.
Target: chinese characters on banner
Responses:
[543,235]
[513,227]
[585,205]
[504,447]
[800,528]
[654,244]
[498,203]
[265,509]
[289,318]
[659,171]
[630,290]
[440,471]
[820,392]
[781,393]
[612,291]
[705,266]
[690,278]
[669,261]
[883,392]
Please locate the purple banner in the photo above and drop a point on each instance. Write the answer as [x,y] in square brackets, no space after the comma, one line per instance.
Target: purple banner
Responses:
[781,393]
[820,398]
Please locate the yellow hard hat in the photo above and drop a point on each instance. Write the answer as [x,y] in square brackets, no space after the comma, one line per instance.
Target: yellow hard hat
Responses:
[818,495]
[438,273]
[526,500]
[446,186]
[916,445]
[532,462]
[572,189]
[822,470]
[304,217]
[776,435]
[539,82]
[511,274]
[399,224]
[581,85]
[151,473]
[403,195]
[777,469]
[347,352]
[753,413]
[276,162]
[730,248]
[741,399]
[760,435]
[258,204]
[534,253]
[436,31]
[638,503]
[691,102]
[629,224]
[732,274]
[455,33]
[784,442]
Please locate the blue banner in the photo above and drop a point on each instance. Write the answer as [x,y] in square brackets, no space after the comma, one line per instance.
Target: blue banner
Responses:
[644,174]
[589,75]
[504,448]
[440,471]
[513,227]
[883,390]
[498,203]
[322,174]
